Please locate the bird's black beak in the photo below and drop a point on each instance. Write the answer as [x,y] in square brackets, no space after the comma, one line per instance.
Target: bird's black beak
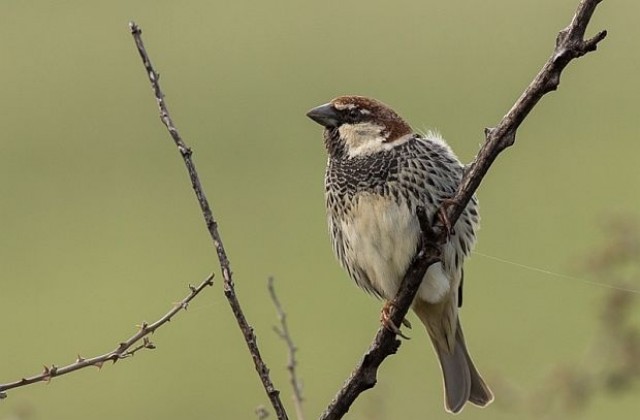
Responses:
[326,115]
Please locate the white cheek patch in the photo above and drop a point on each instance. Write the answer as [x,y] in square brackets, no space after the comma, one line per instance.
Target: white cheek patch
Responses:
[362,138]
[366,138]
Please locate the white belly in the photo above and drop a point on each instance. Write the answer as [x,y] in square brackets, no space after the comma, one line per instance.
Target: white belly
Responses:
[382,238]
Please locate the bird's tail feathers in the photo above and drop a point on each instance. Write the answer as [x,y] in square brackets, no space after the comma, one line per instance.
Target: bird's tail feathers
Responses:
[462,382]
[480,394]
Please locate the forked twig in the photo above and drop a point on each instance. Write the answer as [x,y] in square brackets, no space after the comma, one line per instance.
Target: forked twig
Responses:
[292,363]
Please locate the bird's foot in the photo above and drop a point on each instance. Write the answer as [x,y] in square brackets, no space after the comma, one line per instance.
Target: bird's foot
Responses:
[385,319]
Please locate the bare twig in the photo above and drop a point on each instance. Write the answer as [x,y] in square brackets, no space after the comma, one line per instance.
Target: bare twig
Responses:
[125,349]
[570,44]
[212,227]
[292,363]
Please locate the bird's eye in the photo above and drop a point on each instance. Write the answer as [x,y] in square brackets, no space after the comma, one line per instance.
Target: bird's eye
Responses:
[354,113]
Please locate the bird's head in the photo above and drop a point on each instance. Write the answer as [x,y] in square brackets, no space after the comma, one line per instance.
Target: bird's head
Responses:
[357,125]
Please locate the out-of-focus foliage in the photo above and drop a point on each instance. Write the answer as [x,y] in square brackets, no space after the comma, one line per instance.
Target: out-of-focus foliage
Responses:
[610,365]
[99,230]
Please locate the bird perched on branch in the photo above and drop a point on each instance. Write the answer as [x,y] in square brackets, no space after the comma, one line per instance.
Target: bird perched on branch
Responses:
[379,171]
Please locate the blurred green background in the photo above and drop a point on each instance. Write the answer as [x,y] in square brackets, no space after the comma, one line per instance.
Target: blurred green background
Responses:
[99,229]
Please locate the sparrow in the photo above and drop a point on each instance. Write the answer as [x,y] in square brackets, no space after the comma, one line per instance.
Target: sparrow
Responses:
[378,172]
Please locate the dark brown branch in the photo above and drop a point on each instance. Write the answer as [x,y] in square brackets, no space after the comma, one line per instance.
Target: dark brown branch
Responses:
[570,44]
[292,363]
[125,349]
[212,227]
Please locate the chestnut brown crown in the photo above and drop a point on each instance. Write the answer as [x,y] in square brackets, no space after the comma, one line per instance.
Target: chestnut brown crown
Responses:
[355,110]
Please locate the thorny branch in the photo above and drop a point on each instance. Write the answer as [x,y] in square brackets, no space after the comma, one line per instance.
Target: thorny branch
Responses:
[125,349]
[292,363]
[212,227]
[570,44]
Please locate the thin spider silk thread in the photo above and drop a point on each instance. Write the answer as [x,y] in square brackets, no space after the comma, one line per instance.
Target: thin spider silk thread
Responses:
[560,275]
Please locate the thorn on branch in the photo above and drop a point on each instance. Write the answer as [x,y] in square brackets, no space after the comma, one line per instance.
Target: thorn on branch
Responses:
[134,28]
[592,43]
[185,151]
[148,344]
[209,281]
[48,373]
[488,132]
